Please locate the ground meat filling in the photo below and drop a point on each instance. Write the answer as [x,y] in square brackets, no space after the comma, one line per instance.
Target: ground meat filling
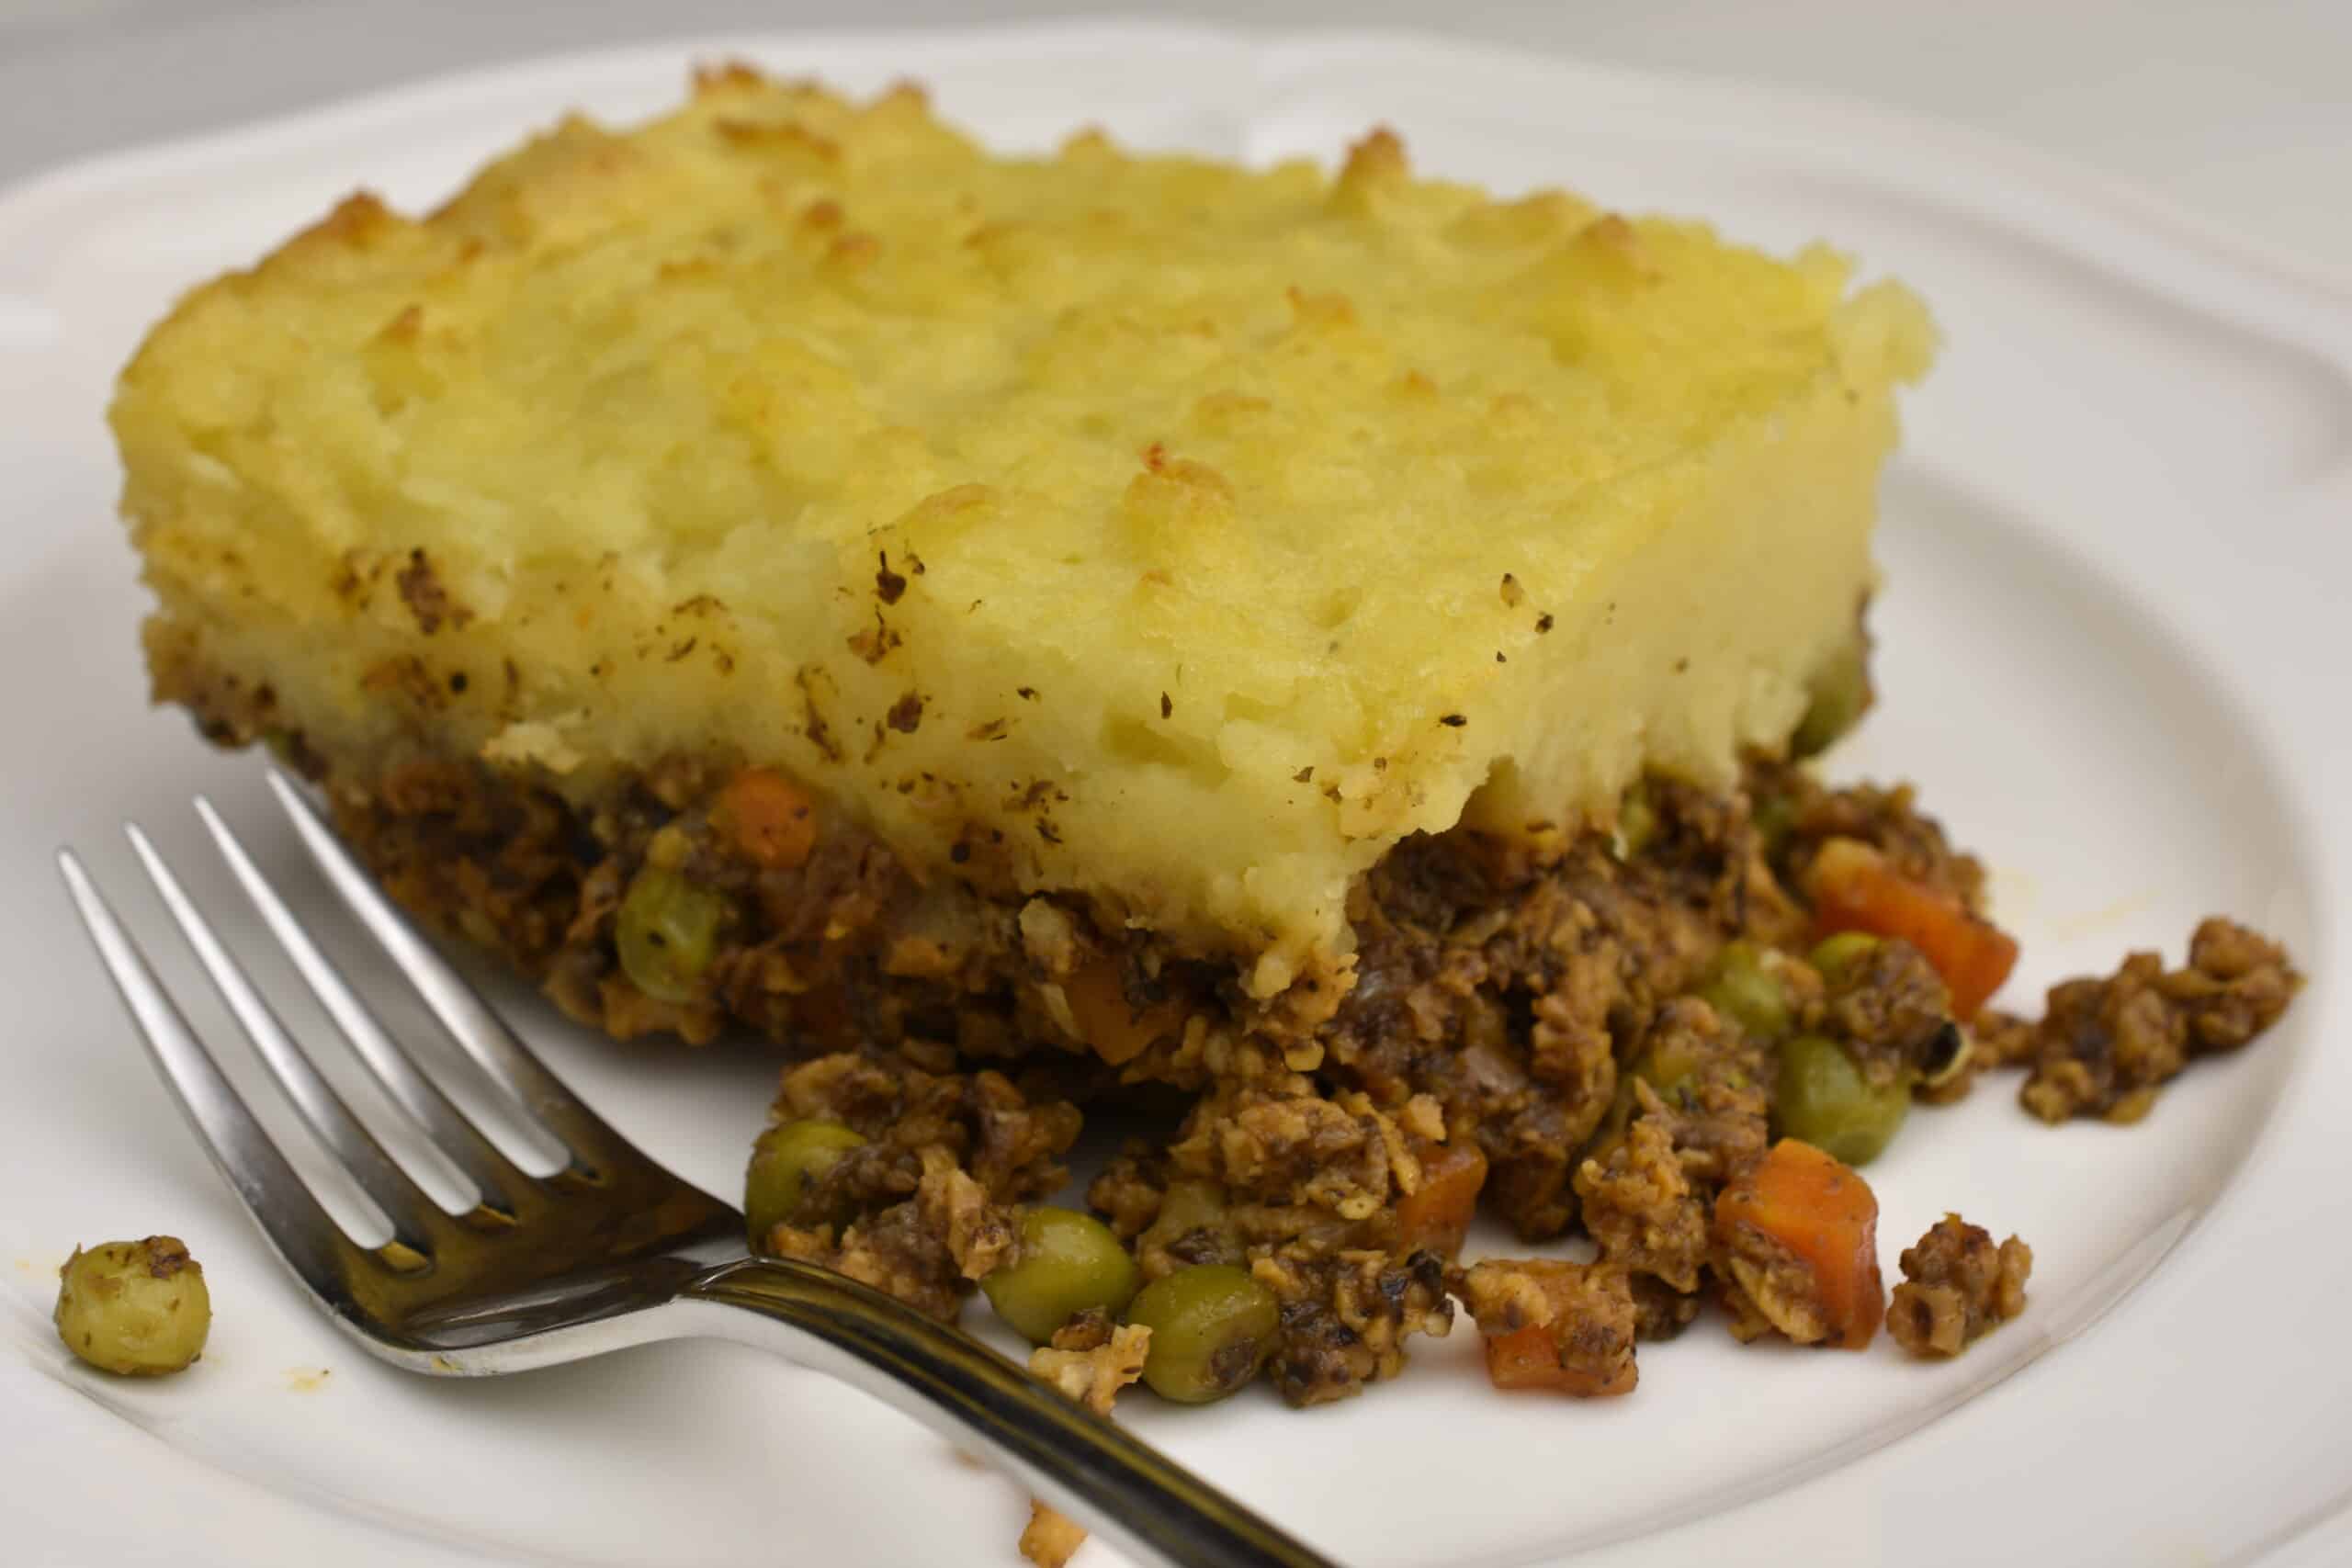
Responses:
[1957,1287]
[1799,814]
[1765,1288]
[1891,1011]
[1313,1195]
[1520,1037]
[1700,1093]
[923,1209]
[1565,1327]
[1345,1318]
[1511,985]
[2104,1047]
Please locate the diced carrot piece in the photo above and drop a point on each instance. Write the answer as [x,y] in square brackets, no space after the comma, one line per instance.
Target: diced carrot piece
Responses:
[1098,1003]
[1824,1213]
[1435,1216]
[1854,890]
[1531,1357]
[770,820]
[1584,1344]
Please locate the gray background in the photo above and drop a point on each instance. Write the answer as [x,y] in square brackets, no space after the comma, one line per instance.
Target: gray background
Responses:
[2240,111]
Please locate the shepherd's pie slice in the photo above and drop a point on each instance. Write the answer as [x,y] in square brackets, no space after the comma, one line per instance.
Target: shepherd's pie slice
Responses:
[1083,554]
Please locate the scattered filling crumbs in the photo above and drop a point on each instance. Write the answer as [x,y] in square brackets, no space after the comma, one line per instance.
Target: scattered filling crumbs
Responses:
[1090,1360]
[1050,1539]
[2105,1047]
[1957,1287]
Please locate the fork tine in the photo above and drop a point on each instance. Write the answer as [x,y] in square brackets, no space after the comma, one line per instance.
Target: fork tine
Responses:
[462,1012]
[495,1178]
[241,1148]
[414,1219]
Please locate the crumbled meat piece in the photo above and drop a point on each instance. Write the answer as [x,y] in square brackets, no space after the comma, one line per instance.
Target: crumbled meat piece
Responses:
[1345,1318]
[1091,1362]
[2002,1039]
[1511,983]
[896,1252]
[1283,1142]
[1716,1105]
[1639,1207]
[1892,1011]
[1889,820]
[1050,1539]
[956,1208]
[923,1209]
[1127,1191]
[2237,983]
[1989,1041]
[1010,1145]
[1957,1287]
[1767,1287]
[1660,1311]
[1569,1326]
[2103,1047]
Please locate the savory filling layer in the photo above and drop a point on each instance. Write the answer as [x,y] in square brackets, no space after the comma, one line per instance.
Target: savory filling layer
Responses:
[1674,1039]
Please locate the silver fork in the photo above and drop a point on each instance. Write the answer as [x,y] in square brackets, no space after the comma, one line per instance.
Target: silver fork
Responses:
[607,1252]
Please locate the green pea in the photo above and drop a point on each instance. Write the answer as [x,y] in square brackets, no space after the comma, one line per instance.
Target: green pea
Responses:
[1834,955]
[138,1308]
[1669,1068]
[782,1160]
[1825,1100]
[1841,692]
[1211,1327]
[1741,986]
[1067,1263]
[667,933]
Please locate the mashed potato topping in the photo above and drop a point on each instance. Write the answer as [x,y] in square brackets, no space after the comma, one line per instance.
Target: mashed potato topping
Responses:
[1186,535]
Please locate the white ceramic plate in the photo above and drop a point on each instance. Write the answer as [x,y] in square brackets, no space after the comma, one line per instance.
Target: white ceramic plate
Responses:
[2113,650]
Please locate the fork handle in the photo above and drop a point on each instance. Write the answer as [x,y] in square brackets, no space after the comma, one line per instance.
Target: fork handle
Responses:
[1154,1508]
